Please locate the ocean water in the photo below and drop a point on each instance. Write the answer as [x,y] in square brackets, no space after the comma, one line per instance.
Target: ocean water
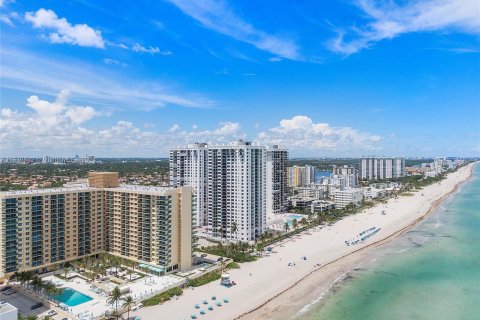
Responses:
[431,272]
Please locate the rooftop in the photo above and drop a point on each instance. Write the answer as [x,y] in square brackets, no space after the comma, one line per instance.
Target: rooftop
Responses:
[6,307]
[139,188]
[47,190]
[85,187]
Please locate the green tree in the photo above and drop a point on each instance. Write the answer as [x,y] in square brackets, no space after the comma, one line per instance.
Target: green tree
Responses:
[286,226]
[114,298]
[37,284]
[129,273]
[294,224]
[320,216]
[304,222]
[234,229]
[115,262]
[128,303]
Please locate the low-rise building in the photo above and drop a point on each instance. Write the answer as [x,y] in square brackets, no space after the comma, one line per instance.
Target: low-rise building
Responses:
[7,311]
[316,191]
[300,202]
[342,198]
[322,205]
[372,193]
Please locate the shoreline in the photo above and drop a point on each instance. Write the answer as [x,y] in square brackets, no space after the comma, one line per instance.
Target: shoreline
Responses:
[279,285]
[351,259]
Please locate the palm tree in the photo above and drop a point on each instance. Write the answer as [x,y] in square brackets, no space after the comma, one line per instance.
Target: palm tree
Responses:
[220,231]
[32,317]
[320,216]
[37,283]
[49,289]
[24,277]
[129,272]
[234,229]
[286,226]
[66,269]
[57,292]
[128,303]
[304,222]
[115,262]
[294,224]
[114,298]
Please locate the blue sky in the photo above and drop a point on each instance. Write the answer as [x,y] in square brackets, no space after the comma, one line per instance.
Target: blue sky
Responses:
[323,78]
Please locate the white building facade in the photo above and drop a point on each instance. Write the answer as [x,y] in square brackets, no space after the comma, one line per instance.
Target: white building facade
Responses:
[188,167]
[233,183]
[344,197]
[236,191]
[379,168]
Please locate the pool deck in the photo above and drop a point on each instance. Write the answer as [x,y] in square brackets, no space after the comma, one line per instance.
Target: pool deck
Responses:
[277,221]
[139,290]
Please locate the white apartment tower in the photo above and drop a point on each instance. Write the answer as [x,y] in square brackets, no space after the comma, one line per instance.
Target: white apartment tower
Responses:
[236,191]
[379,168]
[277,180]
[309,174]
[188,167]
[231,186]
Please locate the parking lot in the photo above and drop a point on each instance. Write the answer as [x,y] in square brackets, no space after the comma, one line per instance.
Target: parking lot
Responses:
[23,301]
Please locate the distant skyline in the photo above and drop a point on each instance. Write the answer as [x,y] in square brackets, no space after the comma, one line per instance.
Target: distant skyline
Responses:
[324,79]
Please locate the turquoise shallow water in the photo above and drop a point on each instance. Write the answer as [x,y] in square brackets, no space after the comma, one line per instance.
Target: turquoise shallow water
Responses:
[432,272]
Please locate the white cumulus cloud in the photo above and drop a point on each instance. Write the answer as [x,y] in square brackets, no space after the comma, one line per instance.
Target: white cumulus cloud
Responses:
[301,133]
[174,128]
[64,32]
[59,128]
[227,128]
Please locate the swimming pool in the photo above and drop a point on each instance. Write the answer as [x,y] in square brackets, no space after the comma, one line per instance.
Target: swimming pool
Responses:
[298,217]
[72,297]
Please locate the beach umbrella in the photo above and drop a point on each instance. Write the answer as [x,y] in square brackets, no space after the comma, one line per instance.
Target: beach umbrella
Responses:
[197,306]
[219,304]
[194,316]
[225,300]
[204,302]
[202,312]
[214,298]
[210,308]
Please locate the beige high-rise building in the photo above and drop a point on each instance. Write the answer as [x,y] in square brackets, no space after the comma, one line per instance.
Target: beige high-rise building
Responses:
[151,225]
[301,176]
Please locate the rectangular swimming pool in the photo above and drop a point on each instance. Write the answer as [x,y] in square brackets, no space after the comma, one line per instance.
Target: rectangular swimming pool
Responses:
[72,297]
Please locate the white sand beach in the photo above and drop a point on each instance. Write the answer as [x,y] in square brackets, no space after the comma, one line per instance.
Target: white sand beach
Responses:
[265,288]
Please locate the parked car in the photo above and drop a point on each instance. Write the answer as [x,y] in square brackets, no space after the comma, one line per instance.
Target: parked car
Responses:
[51,313]
[5,288]
[9,292]
[37,305]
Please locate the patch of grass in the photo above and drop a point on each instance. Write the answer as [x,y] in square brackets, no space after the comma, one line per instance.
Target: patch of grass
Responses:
[238,252]
[206,278]
[233,265]
[162,297]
